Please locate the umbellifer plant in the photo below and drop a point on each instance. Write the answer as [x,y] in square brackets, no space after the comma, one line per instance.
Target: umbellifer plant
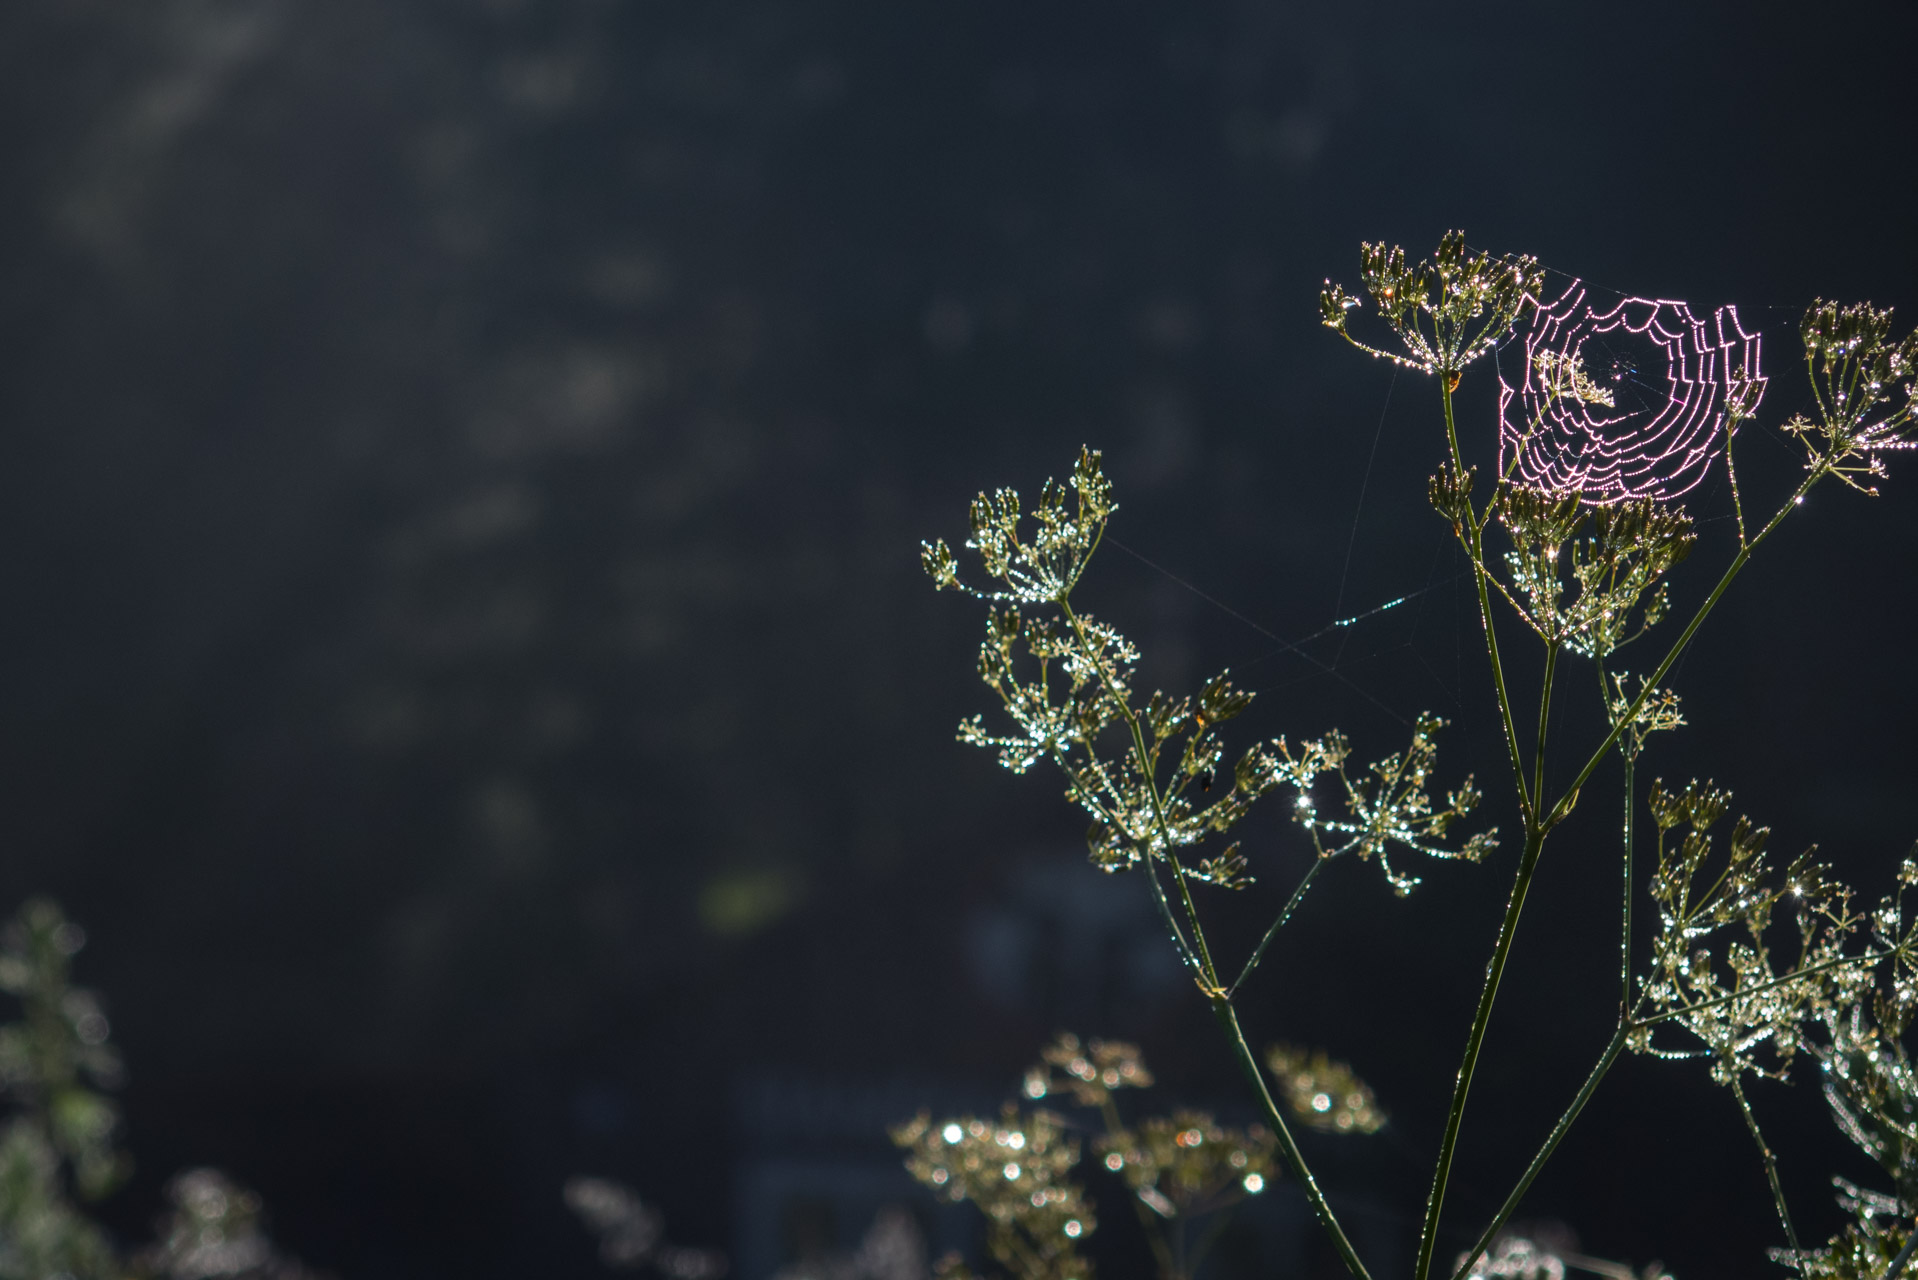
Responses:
[1756,962]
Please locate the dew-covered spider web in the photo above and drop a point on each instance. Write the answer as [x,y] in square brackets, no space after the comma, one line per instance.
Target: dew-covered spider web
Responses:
[1615,397]
[1626,400]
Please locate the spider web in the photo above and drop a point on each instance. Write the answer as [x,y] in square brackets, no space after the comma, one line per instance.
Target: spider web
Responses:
[1626,402]
[1671,379]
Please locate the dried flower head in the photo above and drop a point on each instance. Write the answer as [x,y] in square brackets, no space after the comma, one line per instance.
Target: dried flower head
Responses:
[1516,1257]
[1732,993]
[1040,566]
[1390,807]
[1862,380]
[1869,1247]
[1615,591]
[1017,1170]
[1186,1164]
[1447,310]
[1324,1094]
[1091,1071]
[1657,712]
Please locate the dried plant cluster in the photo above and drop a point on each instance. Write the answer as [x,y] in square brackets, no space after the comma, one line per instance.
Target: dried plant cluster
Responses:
[1183,1172]
[1756,965]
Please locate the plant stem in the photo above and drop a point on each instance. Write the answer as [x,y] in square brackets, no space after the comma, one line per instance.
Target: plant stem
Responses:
[1559,1131]
[1625,907]
[1462,1087]
[1630,715]
[1249,1067]
[1796,975]
[1258,952]
[1544,717]
[1200,959]
[1897,1267]
[1475,551]
[1221,1004]
[1771,1163]
[1527,866]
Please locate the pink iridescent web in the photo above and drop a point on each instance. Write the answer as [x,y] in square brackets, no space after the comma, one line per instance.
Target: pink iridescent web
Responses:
[1658,448]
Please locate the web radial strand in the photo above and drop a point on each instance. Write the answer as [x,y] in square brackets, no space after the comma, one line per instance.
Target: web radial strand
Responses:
[1608,426]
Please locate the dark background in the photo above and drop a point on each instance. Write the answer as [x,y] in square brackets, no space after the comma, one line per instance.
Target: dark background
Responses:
[463,652]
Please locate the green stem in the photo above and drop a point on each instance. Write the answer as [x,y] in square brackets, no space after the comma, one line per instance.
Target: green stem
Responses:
[1897,1267]
[1559,1131]
[1630,715]
[1771,1162]
[1475,550]
[1544,716]
[1462,1087]
[1295,1160]
[1221,1004]
[1258,952]
[1625,908]
[1796,975]
[1528,865]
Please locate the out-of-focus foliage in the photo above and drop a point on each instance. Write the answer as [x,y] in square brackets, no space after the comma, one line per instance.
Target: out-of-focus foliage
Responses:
[55,1063]
[893,1248]
[632,1234]
[1548,1255]
[1182,1170]
[214,1230]
[1324,1094]
[58,1145]
[1017,1169]
[1091,1071]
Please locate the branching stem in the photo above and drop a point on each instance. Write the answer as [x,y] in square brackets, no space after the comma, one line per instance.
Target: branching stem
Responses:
[1796,975]
[1258,952]
[1475,551]
[1481,1019]
[1195,953]
[1558,1133]
[1249,1067]
[1630,715]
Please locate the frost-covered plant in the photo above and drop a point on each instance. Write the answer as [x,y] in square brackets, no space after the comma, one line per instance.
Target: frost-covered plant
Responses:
[1756,964]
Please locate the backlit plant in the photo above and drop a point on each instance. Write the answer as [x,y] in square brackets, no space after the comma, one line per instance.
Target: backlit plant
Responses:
[1758,964]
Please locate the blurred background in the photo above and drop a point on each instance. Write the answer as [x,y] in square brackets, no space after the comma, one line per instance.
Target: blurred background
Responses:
[464,657]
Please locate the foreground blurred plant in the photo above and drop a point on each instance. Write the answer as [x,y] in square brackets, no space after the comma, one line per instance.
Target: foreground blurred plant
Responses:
[55,1063]
[632,1234]
[1183,1172]
[1756,963]
[57,1147]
